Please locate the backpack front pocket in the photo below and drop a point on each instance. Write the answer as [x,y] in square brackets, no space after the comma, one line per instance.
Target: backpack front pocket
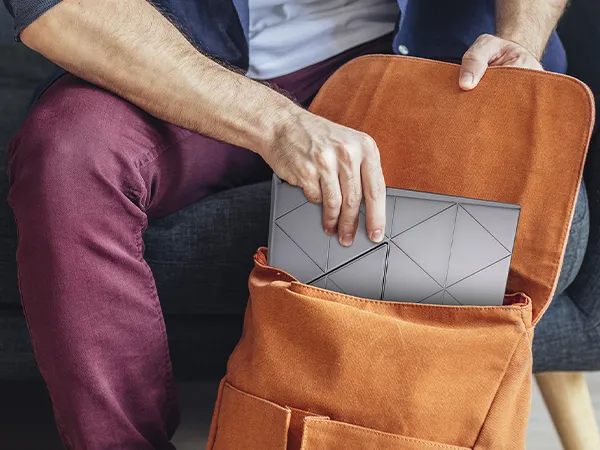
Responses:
[323,434]
[244,421]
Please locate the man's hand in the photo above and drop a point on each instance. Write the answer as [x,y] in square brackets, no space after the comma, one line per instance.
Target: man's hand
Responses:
[489,51]
[334,165]
[523,28]
[128,47]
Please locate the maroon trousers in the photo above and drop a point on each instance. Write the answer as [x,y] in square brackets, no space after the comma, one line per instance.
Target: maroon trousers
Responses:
[87,169]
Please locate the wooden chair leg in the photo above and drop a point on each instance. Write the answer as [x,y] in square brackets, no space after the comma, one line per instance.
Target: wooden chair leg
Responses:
[568,400]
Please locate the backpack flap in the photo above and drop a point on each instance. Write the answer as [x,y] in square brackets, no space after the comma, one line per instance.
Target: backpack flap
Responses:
[520,137]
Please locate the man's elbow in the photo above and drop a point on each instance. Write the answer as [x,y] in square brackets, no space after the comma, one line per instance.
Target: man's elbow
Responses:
[36,33]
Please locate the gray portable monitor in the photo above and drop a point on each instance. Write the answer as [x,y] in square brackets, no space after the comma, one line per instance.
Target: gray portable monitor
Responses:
[437,248]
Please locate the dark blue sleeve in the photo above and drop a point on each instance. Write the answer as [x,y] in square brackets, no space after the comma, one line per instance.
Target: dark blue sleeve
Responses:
[26,11]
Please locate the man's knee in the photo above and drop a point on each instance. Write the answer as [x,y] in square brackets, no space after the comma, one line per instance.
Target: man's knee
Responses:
[70,136]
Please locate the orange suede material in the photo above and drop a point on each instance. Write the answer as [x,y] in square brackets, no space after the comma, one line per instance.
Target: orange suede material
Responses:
[385,375]
[296,430]
[256,414]
[521,137]
[322,434]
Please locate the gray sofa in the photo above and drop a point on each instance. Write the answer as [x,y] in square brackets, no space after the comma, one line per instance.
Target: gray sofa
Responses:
[203,286]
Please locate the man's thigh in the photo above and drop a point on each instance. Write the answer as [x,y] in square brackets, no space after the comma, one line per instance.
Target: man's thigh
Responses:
[77,128]
[195,167]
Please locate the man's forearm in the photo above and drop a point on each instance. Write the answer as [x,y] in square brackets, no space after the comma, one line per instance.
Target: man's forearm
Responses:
[128,47]
[528,22]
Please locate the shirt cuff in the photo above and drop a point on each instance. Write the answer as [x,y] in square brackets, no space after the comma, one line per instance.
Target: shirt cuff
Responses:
[26,11]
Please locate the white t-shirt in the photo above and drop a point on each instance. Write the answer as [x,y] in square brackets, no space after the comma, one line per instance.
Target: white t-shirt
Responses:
[289,35]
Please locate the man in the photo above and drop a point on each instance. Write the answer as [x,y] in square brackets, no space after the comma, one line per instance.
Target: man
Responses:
[165,117]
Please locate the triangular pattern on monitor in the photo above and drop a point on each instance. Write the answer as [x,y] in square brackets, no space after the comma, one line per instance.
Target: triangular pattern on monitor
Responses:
[449,300]
[408,282]
[363,277]
[333,287]
[435,299]
[389,213]
[390,205]
[500,222]
[444,249]
[409,212]
[338,254]
[305,227]
[320,283]
[288,198]
[473,248]
[428,244]
[483,285]
[326,283]
[292,259]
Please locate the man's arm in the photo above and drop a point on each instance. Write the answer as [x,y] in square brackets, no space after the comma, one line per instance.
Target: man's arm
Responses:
[528,23]
[522,31]
[129,48]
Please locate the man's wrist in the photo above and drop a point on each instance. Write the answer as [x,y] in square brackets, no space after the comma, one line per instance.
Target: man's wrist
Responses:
[534,46]
[528,23]
[273,123]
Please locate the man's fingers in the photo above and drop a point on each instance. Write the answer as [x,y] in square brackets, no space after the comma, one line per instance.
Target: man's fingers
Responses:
[332,203]
[490,50]
[312,191]
[374,193]
[351,200]
[475,61]
[513,55]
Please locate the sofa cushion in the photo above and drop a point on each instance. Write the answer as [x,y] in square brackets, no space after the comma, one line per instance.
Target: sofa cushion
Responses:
[201,256]
[6,25]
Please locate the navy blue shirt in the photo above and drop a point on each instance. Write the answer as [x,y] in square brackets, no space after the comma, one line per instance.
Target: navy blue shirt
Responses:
[437,29]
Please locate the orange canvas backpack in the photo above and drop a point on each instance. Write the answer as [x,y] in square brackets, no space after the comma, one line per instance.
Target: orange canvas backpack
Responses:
[318,370]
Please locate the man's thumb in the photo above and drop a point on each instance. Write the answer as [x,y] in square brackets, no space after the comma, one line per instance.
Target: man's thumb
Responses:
[475,61]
